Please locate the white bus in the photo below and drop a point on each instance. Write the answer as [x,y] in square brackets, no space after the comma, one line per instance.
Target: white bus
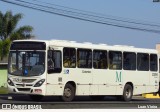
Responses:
[68,69]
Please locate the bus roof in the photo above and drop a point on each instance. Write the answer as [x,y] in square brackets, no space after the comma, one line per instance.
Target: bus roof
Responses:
[67,43]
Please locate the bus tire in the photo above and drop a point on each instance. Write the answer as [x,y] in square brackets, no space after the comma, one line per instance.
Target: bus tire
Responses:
[36,97]
[127,93]
[68,93]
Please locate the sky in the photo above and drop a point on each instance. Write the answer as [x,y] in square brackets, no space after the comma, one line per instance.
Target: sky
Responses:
[49,26]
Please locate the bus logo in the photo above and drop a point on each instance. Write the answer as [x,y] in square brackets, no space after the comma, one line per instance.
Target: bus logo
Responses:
[118,77]
[23,85]
[66,71]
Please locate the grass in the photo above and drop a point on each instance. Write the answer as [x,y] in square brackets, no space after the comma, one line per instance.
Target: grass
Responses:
[3,90]
[3,77]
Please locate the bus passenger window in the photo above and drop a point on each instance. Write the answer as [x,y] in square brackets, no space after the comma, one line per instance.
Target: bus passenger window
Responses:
[69,57]
[115,60]
[143,61]
[84,58]
[153,62]
[100,59]
[129,61]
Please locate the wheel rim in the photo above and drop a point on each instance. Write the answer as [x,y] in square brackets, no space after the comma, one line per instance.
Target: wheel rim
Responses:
[67,92]
[128,93]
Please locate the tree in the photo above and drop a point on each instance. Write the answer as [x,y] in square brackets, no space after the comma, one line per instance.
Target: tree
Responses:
[9,32]
[4,45]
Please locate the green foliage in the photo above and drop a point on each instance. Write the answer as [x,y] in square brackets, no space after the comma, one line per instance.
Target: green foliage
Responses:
[3,90]
[8,23]
[4,48]
[22,33]
[9,32]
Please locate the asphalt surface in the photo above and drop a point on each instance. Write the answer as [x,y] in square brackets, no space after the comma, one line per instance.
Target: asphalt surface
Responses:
[50,102]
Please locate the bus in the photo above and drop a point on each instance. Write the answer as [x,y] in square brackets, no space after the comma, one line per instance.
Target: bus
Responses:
[67,69]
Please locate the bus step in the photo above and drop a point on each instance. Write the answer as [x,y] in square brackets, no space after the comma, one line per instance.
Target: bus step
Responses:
[150,96]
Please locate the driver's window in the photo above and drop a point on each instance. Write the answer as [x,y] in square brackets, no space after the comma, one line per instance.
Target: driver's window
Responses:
[50,60]
[54,61]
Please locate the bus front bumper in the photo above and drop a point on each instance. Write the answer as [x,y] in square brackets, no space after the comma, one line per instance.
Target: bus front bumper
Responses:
[27,90]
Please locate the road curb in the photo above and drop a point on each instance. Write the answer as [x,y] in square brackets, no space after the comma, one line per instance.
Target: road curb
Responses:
[150,96]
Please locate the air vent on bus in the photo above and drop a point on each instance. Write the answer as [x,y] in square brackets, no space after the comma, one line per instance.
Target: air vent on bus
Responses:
[24,89]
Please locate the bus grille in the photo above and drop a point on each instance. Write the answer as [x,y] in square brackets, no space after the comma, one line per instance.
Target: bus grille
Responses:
[28,80]
[22,85]
[23,89]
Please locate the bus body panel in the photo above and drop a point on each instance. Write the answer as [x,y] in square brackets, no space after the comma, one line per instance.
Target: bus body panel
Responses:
[91,81]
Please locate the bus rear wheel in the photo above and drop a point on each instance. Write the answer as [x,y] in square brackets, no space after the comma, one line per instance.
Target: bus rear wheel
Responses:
[68,93]
[127,92]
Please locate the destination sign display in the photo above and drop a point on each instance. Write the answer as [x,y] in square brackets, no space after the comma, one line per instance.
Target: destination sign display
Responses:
[28,46]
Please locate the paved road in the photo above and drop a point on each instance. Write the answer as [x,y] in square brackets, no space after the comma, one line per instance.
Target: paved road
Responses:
[81,102]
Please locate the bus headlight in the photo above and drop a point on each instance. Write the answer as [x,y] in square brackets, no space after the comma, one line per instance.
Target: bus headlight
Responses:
[39,83]
[10,82]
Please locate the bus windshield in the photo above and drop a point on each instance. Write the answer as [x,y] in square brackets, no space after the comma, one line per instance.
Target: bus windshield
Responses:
[26,63]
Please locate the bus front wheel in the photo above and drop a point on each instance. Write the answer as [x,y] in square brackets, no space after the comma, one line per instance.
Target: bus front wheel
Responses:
[127,92]
[68,93]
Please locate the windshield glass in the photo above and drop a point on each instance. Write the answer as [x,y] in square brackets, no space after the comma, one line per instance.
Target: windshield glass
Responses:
[26,63]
